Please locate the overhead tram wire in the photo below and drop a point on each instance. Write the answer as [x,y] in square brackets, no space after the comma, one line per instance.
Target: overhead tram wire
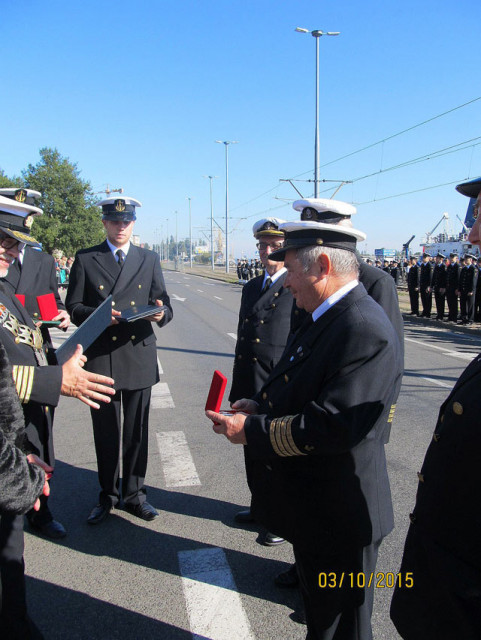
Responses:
[394,135]
[429,156]
[352,153]
[407,193]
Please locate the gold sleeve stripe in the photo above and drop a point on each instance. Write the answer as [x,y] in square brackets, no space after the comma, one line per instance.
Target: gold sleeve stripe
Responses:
[281,437]
[23,378]
[272,435]
[295,449]
[391,413]
[280,433]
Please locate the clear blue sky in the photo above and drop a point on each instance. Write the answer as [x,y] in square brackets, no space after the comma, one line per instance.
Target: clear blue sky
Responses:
[137,92]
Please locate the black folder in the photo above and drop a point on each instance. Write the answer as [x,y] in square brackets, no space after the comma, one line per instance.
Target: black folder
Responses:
[89,330]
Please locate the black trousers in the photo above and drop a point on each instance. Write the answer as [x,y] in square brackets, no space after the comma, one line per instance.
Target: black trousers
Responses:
[414,300]
[440,299]
[466,304]
[132,441]
[335,610]
[452,300]
[427,301]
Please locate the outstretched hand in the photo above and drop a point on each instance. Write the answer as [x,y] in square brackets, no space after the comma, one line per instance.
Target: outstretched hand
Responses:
[84,385]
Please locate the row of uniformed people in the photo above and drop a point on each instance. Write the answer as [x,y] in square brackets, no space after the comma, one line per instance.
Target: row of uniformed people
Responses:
[247,270]
[453,280]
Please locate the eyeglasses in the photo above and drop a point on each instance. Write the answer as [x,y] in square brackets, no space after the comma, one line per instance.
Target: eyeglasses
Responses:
[262,246]
[8,243]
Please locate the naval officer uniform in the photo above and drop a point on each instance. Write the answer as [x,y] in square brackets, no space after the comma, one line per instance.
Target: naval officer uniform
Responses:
[262,332]
[33,274]
[125,351]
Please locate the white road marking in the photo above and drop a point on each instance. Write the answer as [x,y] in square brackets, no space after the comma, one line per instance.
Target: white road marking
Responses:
[187,285]
[200,290]
[213,603]
[161,398]
[177,463]
[232,335]
[438,382]
[446,352]
[174,296]
[217,297]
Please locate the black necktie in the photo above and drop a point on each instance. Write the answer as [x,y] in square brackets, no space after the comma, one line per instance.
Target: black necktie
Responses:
[266,286]
[120,254]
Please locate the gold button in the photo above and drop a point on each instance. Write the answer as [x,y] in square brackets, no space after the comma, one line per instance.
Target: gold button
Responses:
[441,419]
[254,359]
[35,315]
[270,405]
[276,294]
[261,322]
[420,477]
[257,340]
[114,338]
[458,408]
[286,378]
[132,303]
[46,409]
[113,303]
[296,312]
[101,287]
[264,395]
[246,320]
[17,340]
[273,305]
[132,337]
[140,286]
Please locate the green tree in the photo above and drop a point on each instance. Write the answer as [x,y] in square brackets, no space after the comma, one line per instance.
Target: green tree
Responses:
[70,220]
[5,181]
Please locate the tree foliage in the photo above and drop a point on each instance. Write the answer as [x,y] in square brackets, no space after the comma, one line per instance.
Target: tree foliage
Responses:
[70,220]
[5,181]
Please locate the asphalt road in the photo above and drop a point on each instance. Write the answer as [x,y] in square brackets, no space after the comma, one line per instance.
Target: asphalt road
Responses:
[193,572]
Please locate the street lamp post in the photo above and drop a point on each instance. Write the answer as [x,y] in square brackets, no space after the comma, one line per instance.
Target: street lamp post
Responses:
[190,231]
[211,223]
[176,239]
[317,33]
[226,143]
[168,243]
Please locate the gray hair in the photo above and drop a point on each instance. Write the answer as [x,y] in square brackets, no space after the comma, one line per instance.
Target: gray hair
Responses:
[344,263]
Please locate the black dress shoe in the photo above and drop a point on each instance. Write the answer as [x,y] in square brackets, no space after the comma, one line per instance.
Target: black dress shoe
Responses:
[287,579]
[243,517]
[99,513]
[272,540]
[51,529]
[145,511]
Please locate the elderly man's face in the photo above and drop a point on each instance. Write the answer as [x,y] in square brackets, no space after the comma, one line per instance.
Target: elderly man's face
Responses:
[302,284]
[475,233]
